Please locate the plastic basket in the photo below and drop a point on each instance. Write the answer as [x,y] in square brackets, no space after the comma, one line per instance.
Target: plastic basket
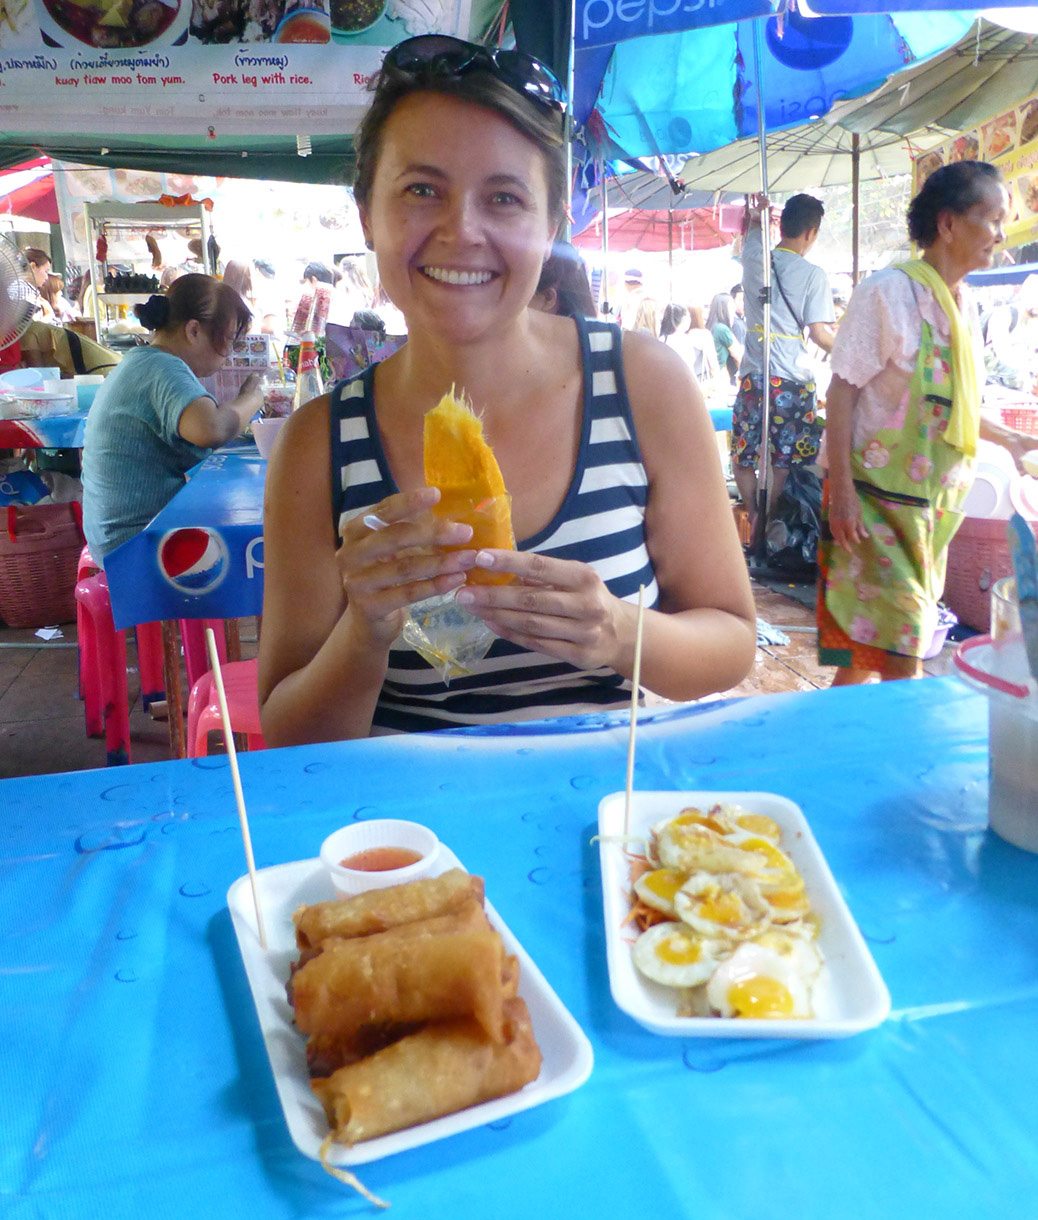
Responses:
[977,557]
[1021,419]
[39,553]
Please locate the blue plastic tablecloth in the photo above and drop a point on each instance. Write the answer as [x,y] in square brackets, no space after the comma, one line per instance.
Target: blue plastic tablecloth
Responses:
[202,555]
[134,1081]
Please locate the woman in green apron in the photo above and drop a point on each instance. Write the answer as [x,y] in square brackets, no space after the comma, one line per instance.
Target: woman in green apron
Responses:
[902,424]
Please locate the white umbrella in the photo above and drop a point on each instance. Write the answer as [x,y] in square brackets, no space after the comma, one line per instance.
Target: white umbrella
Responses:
[985,72]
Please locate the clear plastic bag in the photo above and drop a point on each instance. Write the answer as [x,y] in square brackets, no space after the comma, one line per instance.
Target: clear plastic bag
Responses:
[451,639]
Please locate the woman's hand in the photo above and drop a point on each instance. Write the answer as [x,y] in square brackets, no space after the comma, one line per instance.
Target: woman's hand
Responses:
[556,606]
[385,567]
[845,516]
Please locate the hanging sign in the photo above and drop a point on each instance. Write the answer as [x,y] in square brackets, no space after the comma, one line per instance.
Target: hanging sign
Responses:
[1010,141]
[215,66]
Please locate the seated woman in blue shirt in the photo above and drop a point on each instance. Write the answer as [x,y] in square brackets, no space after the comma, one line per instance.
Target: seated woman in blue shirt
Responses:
[153,420]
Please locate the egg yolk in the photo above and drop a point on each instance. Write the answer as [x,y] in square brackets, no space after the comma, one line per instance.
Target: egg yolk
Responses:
[678,950]
[664,882]
[757,823]
[760,996]
[790,898]
[695,817]
[769,851]
[721,908]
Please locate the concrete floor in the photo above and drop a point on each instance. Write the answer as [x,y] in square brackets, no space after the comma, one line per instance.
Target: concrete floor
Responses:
[41,718]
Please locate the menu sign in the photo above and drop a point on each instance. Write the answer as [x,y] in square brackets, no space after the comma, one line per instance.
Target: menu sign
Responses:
[219,66]
[1010,141]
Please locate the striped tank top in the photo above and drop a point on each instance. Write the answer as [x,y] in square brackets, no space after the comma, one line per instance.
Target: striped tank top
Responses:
[601,522]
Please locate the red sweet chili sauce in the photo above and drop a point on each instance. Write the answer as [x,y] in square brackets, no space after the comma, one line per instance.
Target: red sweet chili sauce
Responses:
[381,859]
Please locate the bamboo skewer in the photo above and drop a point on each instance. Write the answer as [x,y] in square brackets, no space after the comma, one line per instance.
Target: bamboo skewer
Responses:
[635,685]
[239,796]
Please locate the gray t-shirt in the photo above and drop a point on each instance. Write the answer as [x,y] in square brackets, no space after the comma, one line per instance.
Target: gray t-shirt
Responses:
[807,287]
[134,458]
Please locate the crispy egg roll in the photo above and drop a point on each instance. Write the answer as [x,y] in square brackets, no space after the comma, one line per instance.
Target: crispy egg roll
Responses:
[384,979]
[510,976]
[326,1053]
[377,910]
[443,1068]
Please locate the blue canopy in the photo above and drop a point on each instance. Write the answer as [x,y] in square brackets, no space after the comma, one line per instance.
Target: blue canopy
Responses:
[992,276]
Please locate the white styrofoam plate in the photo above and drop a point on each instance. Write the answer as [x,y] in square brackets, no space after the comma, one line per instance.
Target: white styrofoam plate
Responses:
[849,996]
[567,1055]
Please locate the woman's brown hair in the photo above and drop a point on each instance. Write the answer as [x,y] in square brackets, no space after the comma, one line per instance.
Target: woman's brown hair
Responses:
[216,306]
[542,127]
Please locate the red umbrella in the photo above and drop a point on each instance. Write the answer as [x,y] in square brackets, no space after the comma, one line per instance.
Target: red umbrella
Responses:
[656,231]
[34,200]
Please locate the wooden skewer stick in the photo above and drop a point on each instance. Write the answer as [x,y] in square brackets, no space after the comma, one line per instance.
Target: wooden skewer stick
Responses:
[239,796]
[635,685]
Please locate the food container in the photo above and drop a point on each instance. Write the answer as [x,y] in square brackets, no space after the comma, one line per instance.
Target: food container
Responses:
[350,17]
[87,385]
[278,398]
[304,25]
[997,666]
[350,841]
[264,433]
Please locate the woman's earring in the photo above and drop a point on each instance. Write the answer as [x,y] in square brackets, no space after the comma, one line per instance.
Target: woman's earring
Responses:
[368,245]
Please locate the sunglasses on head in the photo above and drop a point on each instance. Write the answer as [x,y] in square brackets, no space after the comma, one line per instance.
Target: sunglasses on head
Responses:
[434,55]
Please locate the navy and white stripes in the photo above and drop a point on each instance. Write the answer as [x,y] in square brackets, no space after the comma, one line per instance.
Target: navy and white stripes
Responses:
[601,522]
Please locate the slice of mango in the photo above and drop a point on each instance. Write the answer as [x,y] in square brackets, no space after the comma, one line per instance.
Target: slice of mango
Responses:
[462,465]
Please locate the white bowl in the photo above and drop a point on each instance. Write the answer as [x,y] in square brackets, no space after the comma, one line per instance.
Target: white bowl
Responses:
[349,841]
[265,432]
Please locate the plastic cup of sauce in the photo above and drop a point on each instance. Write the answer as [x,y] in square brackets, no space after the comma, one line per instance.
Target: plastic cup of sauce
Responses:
[376,854]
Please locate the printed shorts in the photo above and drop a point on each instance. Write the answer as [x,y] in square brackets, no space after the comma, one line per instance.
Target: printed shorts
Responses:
[794,430]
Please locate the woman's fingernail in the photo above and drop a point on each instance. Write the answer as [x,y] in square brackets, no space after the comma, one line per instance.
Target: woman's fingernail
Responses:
[459,532]
[484,559]
[374,522]
[465,559]
[466,597]
[427,495]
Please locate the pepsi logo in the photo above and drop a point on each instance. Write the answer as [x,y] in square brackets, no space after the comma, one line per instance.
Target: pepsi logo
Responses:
[808,44]
[194,560]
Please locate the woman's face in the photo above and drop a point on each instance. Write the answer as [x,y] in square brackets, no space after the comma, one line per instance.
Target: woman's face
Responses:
[458,216]
[974,235]
[207,356]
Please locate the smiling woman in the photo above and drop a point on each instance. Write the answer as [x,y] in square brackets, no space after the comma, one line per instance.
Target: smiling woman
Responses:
[604,444]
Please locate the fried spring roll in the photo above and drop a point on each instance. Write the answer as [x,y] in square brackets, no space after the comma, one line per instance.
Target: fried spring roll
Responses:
[439,1070]
[377,910]
[326,1053]
[383,979]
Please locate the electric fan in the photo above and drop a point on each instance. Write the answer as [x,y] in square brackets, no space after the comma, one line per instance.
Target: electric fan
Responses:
[18,294]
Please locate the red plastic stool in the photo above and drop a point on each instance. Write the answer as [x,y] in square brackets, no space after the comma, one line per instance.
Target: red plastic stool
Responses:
[89,678]
[149,658]
[203,709]
[105,649]
[196,655]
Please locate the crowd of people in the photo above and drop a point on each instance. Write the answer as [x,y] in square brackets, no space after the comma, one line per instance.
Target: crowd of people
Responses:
[600,429]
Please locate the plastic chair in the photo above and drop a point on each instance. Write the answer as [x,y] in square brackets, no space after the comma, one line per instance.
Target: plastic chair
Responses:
[149,658]
[105,649]
[196,655]
[203,709]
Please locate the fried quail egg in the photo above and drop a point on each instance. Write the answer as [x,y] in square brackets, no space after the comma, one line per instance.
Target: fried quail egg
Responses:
[658,887]
[715,819]
[755,823]
[786,897]
[674,954]
[804,956]
[695,848]
[758,983]
[724,905]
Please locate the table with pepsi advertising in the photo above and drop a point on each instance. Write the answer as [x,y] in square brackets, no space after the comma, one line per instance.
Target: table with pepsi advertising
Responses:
[134,1079]
[202,555]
